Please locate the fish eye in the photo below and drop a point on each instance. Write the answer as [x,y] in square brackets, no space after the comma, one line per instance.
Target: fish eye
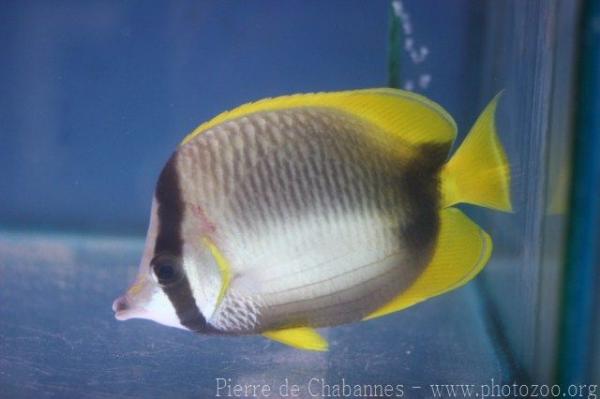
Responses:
[166,269]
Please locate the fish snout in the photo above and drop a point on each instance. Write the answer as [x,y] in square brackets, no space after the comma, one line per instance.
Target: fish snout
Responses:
[121,303]
[122,307]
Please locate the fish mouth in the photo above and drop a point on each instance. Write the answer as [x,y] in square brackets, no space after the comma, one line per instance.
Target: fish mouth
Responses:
[122,316]
[123,309]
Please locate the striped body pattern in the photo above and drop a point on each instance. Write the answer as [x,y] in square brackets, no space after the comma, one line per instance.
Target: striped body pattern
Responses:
[315,210]
[316,225]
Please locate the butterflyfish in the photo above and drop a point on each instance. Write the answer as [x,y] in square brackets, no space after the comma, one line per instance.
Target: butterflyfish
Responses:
[314,210]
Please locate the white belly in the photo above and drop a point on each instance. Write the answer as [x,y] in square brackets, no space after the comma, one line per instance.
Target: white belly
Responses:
[319,272]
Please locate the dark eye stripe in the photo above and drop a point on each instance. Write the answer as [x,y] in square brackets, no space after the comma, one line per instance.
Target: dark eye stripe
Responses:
[169,241]
[169,211]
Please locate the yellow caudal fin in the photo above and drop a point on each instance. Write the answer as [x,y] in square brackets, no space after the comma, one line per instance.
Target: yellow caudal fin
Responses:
[301,338]
[461,252]
[479,172]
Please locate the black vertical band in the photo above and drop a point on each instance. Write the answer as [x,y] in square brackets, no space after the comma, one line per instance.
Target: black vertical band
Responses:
[169,241]
[422,196]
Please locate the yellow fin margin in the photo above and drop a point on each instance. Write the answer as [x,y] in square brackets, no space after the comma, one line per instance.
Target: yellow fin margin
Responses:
[301,338]
[461,252]
[400,114]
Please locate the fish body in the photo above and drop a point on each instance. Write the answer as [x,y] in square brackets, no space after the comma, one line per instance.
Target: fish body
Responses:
[315,210]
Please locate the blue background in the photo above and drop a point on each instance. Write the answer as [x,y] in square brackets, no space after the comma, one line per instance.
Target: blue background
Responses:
[96,95]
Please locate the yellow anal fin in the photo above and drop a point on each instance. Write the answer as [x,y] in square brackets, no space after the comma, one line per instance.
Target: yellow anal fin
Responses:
[400,115]
[300,337]
[461,252]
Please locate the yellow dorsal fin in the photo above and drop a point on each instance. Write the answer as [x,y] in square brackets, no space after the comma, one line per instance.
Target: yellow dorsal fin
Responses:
[300,337]
[461,252]
[223,265]
[400,114]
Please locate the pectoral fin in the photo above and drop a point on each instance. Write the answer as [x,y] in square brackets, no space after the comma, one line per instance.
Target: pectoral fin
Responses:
[461,252]
[223,265]
[301,337]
